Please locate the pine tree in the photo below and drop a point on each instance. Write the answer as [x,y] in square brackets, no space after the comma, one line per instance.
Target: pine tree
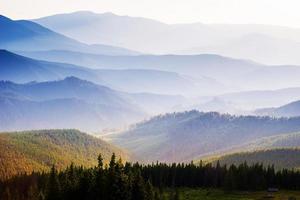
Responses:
[53,186]
[150,193]
[99,184]
[138,188]
[33,192]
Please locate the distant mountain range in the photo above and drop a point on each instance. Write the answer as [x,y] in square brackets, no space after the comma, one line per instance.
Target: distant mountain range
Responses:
[247,101]
[193,65]
[23,35]
[188,135]
[261,43]
[68,103]
[22,69]
[25,152]
[76,103]
[288,110]
[221,73]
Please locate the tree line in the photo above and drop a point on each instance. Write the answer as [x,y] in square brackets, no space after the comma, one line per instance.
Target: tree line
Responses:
[128,181]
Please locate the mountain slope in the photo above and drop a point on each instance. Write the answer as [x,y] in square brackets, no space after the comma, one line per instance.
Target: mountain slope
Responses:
[184,136]
[20,69]
[38,150]
[287,140]
[280,158]
[28,36]
[288,110]
[68,103]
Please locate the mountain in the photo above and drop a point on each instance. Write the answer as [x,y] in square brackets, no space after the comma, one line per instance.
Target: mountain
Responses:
[68,103]
[223,73]
[39,150]
[262,43]
[186,135]
[26,35]
[288,110]
[281,141]
[259,99]
[21,69]
[263,48]
[208,65]
[159,82]
[287,140]
[280,158]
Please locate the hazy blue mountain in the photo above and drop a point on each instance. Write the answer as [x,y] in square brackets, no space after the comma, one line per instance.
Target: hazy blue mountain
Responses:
[289,110]
[215,104]
[159,82]
[158,103]
[70,87]
[25,35]
[250,100]
[187,135]
[262,43]
[101,106]
[20,69]
[235,74]
[213,66]
[256,46]
[64,104]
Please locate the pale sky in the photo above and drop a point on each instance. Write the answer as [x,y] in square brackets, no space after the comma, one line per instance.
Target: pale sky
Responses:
[276,12]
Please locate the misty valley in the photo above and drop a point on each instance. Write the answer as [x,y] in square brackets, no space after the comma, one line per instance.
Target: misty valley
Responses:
[114,107]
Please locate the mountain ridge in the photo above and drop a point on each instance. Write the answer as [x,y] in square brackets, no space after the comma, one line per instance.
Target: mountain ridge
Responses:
[185,135]
[27,35]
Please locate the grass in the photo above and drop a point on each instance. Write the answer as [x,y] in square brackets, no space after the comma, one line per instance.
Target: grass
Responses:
[213,194]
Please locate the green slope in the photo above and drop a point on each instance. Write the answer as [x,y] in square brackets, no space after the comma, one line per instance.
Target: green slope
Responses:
[38,150]
[281,158]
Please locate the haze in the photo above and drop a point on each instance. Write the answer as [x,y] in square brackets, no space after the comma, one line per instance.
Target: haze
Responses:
[276,12]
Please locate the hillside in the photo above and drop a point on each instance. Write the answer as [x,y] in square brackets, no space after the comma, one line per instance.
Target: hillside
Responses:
[280,158]
[26,35]
[286,140]
[39,150]
[184,136]
[289,110]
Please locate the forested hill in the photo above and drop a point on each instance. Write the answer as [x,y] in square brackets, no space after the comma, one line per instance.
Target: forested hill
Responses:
[188,135]
[281,158]
[39,150]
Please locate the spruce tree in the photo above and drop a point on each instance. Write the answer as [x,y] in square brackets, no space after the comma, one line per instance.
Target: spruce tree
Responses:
[53,186]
